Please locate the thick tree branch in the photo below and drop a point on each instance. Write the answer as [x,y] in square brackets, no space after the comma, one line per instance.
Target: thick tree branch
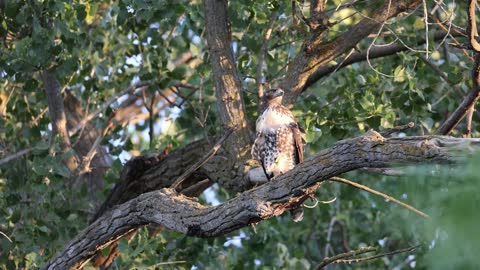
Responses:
[57,116]
[181,214]
[314,54]
[229,93]
[149,173]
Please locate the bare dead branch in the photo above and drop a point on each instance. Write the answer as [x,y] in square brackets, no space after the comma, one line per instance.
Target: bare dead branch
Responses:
[357,260]
[329,260]
[390,131]
[344,257]
[203,160]
[385,196]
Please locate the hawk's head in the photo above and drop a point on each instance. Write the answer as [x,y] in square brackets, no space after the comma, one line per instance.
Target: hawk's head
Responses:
[273,96]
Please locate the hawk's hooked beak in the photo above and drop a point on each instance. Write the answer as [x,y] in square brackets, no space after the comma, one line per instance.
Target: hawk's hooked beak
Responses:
[278,92]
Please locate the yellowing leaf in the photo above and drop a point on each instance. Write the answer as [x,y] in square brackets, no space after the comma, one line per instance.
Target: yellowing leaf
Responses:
[400,74]
[419,24]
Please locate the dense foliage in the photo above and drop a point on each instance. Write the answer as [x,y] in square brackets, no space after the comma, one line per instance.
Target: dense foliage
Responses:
[96,49]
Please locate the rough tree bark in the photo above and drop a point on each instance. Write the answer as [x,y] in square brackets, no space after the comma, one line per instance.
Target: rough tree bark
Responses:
[179,213]
[229,93]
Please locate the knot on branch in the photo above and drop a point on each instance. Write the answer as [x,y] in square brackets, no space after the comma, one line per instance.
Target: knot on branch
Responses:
[373,136]
[318,22]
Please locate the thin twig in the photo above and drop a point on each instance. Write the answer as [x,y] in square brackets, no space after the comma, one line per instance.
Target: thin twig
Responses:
[203,160]
[448,30]
[441,74]
[6,236]
[383,171]
[362,187]
[409,249]
[328,260]
[185,99]
[390,131]
[425,17]
[173,104]
[329,235]
[166,263]
[16,155]
[187,85]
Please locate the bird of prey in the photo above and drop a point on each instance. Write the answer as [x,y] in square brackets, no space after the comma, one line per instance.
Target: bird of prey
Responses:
[279,140]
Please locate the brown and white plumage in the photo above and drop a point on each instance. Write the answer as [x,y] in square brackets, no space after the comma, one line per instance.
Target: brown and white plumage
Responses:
[279,139]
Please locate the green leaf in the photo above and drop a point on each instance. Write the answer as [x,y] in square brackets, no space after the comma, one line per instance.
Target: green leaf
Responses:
[81,13]
[178,73]
[44,229]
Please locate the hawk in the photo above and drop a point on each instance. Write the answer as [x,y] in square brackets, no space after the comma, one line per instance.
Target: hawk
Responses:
[279,140]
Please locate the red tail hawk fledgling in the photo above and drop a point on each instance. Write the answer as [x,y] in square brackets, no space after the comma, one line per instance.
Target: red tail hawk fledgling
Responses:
[279,143]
